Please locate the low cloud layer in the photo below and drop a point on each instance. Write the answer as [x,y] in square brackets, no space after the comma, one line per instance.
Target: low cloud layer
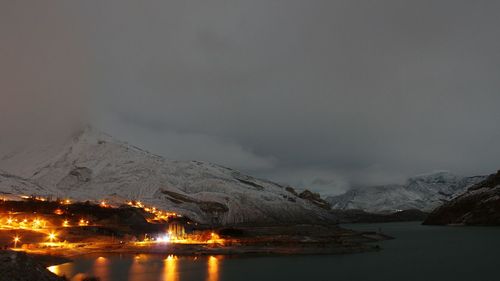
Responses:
[320,94]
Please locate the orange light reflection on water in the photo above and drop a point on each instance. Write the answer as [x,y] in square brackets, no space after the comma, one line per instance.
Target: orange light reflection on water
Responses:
[213,269]
[137,268]
[142,266]
[170,269]
[100,268]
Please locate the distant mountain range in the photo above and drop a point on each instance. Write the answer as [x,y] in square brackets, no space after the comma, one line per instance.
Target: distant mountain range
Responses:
[94,166]
[423,192]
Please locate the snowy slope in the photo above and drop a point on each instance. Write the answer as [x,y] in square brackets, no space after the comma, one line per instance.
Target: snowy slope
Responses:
[95,166]
[12,186]
[423,192]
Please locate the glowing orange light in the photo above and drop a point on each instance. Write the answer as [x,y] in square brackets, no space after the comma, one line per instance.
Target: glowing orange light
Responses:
[170,269]
[213,269]
[16,240]
[52,236]
[101,266]
[54,269]
[65,223]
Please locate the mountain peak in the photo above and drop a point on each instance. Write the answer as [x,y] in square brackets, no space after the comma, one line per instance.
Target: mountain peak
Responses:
[93,165]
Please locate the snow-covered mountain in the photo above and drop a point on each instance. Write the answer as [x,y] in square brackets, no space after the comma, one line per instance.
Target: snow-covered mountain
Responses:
[95,166]
[479,205]
[423,192]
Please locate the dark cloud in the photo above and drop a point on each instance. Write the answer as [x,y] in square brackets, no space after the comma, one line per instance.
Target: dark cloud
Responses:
[44,71]
[313,93]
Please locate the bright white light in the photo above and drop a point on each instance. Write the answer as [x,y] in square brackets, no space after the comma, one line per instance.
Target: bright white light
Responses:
[163,239]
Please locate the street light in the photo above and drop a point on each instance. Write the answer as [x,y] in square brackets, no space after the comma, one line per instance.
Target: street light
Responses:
[16,239]
[52,236]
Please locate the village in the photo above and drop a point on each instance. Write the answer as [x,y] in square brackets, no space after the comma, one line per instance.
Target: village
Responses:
[63,227]
[36,224]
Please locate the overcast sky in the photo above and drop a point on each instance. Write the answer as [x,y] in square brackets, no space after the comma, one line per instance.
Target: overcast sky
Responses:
[321,94]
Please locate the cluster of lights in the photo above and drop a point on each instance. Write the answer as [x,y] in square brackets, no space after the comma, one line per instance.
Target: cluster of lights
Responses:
[51,236]
[83,222]
[65,202]
[37,198]
[215,239]
[159,215]
[136,204]
[11,222]
[175,234]
[187,239]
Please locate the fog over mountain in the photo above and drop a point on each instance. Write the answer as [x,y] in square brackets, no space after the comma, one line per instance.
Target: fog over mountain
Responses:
[318,94]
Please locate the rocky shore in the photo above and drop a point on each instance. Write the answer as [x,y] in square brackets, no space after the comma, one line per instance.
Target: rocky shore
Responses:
[18,266]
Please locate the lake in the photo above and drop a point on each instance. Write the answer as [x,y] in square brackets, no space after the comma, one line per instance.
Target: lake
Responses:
[418,253]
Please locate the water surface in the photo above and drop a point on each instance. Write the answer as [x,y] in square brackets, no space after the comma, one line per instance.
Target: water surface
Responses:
[419,253]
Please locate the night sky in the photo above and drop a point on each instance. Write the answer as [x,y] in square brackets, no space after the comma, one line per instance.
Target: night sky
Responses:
[320,94]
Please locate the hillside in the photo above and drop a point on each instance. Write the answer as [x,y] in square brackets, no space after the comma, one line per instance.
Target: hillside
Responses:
[11,186]
[94,166]
[480,205]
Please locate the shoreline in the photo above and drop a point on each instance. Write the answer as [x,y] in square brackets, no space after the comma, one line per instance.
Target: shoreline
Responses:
[283,240]
[363,243]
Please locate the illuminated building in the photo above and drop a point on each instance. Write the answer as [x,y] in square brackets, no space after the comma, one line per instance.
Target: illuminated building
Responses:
[176,230]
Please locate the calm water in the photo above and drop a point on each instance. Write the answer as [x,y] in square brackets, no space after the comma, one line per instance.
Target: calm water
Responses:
[419,253]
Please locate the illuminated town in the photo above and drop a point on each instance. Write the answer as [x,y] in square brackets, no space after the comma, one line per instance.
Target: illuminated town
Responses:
[67,227]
